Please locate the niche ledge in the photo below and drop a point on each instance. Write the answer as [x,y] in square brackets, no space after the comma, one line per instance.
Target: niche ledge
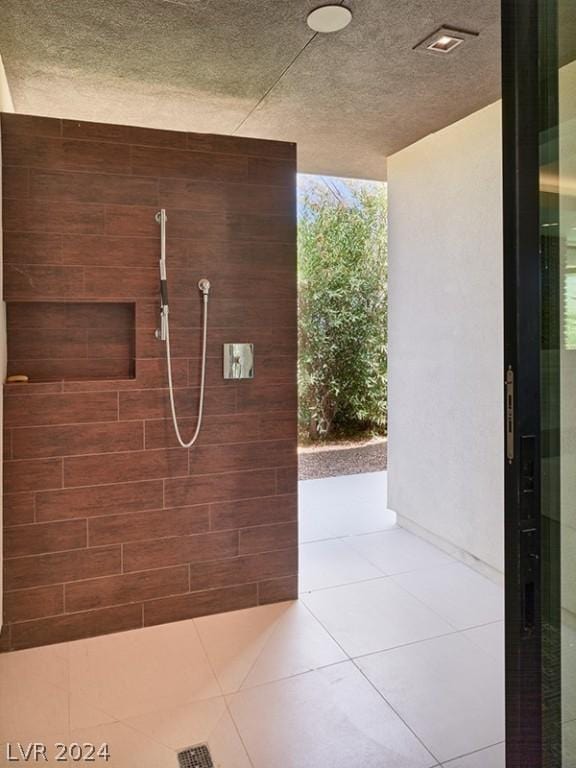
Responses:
[76,341]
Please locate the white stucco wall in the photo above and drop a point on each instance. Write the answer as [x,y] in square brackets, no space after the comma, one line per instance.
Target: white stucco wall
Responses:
[446,476]
[6,105]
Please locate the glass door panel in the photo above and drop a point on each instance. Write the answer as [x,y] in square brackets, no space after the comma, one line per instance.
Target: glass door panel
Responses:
[539,175]
[558,377]
[567,257]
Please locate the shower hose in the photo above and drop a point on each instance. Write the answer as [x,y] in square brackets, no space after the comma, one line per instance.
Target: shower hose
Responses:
[194,437]
[164,335]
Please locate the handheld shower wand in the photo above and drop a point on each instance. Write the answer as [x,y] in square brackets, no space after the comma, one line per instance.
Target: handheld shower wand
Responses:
[163,333]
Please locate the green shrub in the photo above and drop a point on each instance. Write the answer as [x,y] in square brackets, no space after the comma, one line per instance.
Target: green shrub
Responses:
[342,308]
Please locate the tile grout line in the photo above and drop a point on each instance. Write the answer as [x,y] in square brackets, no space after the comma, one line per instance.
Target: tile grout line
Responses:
[456,630]
[354,659]
[288,676]
[469,754]
[417,642]
[398,715]
[351,660]
[224,696]
[434,611]
[407,645]
[392,576]
[237,729]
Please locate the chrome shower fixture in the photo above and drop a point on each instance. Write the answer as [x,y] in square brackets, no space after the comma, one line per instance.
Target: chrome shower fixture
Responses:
[163,333]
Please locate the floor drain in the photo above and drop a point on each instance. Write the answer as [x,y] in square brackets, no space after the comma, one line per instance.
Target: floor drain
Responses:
[195,757]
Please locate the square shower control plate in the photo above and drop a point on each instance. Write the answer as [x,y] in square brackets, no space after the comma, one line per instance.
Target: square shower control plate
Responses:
[238,361]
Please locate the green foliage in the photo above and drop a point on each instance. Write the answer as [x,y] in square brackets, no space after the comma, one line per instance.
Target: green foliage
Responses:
[342,248]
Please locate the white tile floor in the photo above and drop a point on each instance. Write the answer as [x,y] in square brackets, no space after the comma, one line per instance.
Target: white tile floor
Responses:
[393,658]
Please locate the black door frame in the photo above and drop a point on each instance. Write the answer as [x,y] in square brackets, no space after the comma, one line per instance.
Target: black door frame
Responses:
[531,432]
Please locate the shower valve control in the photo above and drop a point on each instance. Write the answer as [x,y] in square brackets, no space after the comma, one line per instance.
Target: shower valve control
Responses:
[238,361]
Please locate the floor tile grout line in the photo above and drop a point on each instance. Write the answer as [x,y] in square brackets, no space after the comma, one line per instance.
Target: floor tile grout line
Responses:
[344,536]
[392,576]
[206,656]
[221,696]
[455,631]
[433,610]
[238,732]
[416,642]
[348,657]
[271,635]
[112,718]
[146,735]
[282,678]
[410,644]
[345,539]
[286,678]
[348,660]
[344,584]
[188,701]
[398,715]
[484,624]
[383,650]
[378,578]
[427,639]
[394,529]
[446,763]
[325,628]
[69,688]
[362,581]
[383,574]
[260,652]
[411,570]
[362,556]
[224,695]
[295,674]
[353,661]
[355,658]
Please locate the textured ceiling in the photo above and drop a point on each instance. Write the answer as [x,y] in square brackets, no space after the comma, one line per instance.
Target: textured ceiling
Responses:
[254,68]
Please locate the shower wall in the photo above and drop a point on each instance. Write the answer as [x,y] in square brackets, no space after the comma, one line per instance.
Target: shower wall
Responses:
[108,524]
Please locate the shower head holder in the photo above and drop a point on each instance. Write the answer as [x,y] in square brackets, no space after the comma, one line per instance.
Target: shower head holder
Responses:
[204,286]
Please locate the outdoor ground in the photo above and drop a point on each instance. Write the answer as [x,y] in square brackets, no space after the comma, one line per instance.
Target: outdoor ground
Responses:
[342,458]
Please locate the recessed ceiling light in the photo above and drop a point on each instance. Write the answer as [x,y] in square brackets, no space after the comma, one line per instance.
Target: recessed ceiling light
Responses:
[444,40]
[329,18]
[445,44]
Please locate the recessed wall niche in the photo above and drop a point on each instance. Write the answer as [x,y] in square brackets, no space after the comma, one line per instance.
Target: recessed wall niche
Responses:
[58,341]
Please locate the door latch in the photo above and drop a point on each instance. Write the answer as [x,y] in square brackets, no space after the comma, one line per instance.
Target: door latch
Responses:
[510,414]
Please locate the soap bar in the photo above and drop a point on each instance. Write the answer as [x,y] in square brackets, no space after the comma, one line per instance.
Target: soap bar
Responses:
[17,378]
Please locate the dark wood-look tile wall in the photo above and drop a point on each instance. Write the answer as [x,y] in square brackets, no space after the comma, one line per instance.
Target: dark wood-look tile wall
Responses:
[109,525]
[53,341]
